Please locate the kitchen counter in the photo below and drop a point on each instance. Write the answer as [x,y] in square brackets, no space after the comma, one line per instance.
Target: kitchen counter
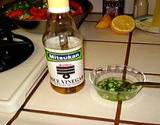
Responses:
[102,47]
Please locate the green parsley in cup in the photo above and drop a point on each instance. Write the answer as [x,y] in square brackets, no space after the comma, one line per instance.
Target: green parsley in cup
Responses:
[115,82]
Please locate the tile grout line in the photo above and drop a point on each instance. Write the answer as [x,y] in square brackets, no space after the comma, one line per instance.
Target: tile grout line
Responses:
[126,62]
[32,92]
[104,41]
[27,99]
[119,106]
[128,49]
[142,43]
[68,115]
[137,123]
[118,113]
[79,116]
[152,74]
[124,42]
[146,73]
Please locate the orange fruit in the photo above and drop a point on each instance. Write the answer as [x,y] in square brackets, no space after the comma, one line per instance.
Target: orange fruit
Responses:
[104,22]
[123,24]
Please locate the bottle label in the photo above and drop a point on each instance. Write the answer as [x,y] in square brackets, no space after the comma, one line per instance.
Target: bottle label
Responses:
[65,67]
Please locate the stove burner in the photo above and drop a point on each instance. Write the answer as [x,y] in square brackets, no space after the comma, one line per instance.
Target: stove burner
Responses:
[14,49]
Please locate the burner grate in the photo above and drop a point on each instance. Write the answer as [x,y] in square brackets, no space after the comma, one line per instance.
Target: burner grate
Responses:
[14,49]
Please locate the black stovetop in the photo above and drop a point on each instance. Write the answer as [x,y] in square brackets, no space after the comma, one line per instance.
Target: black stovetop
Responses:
[14,48]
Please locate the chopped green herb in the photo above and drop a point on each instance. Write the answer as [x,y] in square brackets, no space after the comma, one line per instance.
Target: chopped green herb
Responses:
[115,85]
[115,89]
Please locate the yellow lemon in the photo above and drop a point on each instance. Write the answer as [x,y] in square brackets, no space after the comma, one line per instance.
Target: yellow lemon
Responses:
[123,24]
[104,22]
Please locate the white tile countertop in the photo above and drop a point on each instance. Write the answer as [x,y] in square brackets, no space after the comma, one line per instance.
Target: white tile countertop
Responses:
[102,47]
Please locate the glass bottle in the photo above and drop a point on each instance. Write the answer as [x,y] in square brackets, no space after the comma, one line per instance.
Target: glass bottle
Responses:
[63,48]
[1,4]
[156,14]
[113,7]
[140,8]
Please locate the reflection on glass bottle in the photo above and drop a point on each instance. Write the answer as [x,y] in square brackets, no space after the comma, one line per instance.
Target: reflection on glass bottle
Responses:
[64,49]
[141,8]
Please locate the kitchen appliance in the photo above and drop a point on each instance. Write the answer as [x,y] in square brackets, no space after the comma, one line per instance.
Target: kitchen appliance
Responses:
[22,64]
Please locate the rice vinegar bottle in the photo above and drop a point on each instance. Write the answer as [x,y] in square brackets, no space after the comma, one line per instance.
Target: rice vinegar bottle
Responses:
[63,49]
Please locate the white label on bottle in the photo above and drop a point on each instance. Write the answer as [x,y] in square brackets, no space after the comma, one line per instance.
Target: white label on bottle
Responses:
[65,66]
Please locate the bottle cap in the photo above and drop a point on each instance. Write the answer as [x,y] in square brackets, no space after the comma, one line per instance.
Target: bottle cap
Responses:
[58,6]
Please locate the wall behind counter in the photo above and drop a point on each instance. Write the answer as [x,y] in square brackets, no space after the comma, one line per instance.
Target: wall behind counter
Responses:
[97,6]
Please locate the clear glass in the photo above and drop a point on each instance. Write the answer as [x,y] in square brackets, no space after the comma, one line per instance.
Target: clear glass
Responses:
[141,8]
[119,72]
[156,15]
[63,40]
[62,25]
[1,3]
